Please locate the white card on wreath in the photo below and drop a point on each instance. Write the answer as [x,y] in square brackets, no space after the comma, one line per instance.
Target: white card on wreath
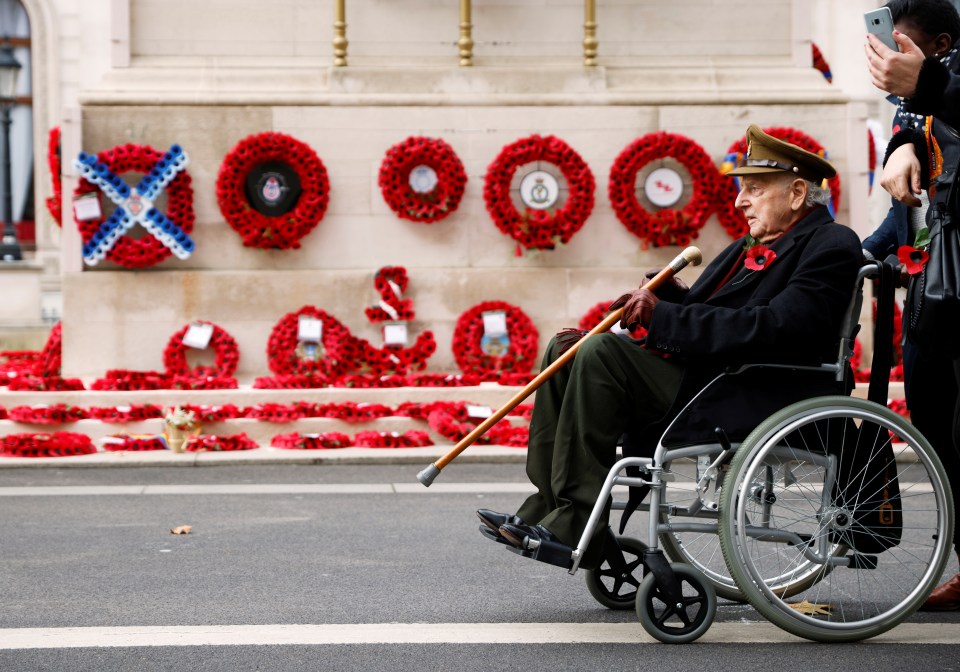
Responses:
[495,323]
[395,333]
[87,207]
[482,412]
[198,336]
[309,329]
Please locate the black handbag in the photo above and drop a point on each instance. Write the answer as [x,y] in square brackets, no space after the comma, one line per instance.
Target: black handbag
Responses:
[867,483]
[933,296]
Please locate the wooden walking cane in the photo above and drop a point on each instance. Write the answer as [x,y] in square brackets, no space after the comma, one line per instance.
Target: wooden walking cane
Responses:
[691,255]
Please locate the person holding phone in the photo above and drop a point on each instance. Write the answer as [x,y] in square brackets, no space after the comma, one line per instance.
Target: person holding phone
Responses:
[923,78]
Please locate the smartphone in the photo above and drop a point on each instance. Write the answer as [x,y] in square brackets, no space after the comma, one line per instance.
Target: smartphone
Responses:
[880,23]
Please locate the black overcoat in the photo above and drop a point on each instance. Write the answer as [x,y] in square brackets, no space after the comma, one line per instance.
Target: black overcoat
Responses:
[790,312]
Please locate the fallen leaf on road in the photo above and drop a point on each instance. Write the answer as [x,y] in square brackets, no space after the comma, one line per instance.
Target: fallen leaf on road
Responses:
[182,529]
[811,608]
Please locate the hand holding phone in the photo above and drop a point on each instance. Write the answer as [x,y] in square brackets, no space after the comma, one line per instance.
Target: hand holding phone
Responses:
[896,69]
[880,23]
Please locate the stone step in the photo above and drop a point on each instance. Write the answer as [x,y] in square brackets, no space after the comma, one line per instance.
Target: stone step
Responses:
[487,394]
[259,430]
[262,431]
[421,457]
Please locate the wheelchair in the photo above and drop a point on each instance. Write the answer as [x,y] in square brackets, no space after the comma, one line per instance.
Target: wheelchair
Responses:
[833,517]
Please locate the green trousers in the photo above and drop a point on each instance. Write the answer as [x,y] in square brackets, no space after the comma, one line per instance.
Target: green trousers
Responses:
[613,386]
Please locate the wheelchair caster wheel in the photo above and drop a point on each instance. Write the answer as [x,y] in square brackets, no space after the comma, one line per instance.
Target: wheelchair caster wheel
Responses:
[677,623]
[615,582]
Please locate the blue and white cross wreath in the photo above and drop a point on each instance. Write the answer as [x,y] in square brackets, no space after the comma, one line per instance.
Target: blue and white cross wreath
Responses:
[135,206]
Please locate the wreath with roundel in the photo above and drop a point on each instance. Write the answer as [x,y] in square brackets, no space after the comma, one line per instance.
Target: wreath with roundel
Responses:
[730,217]
[273,190]
[337,351]
[105,237]
[520,352]
[422,179]
[666,226]
[552,222]
[226,354]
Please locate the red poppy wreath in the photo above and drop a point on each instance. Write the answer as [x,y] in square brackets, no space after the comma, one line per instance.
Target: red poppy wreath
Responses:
[539,228]
[213,442]
[730,217]
[55,202]
[44,384]
[297,441]
[391,282]
[332,357]
[452,421]
[666,226]
[422,179]
[113,443]
[475,351]
[147,250]
[51,357]
[273,190]
[595,316]
[42,444]
[44,414]
[226,353]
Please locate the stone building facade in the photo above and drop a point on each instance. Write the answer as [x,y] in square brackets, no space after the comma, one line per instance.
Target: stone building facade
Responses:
[205,75]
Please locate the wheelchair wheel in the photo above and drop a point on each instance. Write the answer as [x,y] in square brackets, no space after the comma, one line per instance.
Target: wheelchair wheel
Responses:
[701,549]
[614,583]
[677,624]
[846,485]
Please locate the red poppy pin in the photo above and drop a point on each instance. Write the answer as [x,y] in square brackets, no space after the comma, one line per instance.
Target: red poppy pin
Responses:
[914,258]
[758,256]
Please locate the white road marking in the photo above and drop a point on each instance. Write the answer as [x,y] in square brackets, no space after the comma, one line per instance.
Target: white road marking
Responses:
[265,488]
[424,633]
[305,489]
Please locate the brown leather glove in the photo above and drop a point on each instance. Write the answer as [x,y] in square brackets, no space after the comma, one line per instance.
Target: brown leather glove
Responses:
[637,307]
[568,337]
[674,287]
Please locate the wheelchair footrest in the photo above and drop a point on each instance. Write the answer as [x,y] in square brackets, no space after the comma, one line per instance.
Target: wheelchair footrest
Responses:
[549,552]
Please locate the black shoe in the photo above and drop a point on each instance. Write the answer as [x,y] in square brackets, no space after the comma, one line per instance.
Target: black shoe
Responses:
[487,533]
[527,537]
[494,520]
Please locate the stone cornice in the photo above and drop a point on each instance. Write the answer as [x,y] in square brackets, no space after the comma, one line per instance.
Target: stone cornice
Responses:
[658,84]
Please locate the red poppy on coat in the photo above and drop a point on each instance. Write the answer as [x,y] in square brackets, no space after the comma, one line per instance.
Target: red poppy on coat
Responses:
[759,257]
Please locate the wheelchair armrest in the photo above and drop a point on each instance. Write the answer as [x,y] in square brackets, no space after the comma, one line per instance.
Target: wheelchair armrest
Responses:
[826,367]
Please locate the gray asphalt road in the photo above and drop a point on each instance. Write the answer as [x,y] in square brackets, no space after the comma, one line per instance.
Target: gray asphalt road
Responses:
[383,558]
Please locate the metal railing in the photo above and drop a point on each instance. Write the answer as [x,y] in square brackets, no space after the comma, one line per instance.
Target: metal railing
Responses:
[465,42]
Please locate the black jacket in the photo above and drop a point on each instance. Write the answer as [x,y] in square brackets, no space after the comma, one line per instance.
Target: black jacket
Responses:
[937,95]
[790,312]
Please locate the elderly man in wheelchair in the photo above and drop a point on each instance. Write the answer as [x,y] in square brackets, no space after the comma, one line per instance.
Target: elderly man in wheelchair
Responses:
[779,296]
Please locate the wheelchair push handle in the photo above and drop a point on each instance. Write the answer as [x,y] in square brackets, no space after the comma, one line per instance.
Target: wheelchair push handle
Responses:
[690,256]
